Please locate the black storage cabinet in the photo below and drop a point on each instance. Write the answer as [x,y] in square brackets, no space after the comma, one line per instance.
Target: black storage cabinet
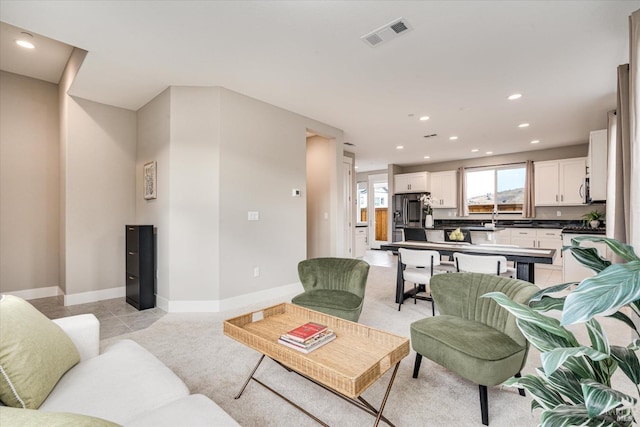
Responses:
[141,277]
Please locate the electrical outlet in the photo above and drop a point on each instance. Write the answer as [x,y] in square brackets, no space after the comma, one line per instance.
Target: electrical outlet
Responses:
[558,213]
[256,271]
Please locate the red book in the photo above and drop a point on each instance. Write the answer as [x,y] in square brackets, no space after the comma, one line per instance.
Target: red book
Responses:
[303,332]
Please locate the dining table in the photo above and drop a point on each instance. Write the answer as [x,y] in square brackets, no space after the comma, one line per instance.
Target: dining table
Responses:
[524,258]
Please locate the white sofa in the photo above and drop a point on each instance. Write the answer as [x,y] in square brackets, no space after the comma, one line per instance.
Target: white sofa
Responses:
[125,384]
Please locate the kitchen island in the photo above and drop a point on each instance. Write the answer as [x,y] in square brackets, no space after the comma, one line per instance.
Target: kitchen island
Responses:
[524,258]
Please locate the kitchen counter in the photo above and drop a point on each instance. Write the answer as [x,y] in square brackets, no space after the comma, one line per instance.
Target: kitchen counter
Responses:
[467,227]
[531,223]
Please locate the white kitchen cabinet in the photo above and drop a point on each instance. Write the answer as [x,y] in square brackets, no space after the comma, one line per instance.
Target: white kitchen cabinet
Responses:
[550,239]
[545,238]
[444,187]
[523,237]
[503,237]
[361,241]
[597,165]
[560,182]
[417,182]
[572,269]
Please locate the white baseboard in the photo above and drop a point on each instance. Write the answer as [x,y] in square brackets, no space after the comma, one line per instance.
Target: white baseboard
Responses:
[215,306]
[93,296]
[50,291]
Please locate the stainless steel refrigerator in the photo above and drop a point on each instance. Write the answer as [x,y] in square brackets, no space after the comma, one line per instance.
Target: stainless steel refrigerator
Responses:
[407,211]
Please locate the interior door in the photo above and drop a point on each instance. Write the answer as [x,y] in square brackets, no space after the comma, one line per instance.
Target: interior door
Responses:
[379,203]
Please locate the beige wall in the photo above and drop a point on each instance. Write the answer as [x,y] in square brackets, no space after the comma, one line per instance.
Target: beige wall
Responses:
[100,188]
[29,173]
[153,134]
[220,155]
[97,157]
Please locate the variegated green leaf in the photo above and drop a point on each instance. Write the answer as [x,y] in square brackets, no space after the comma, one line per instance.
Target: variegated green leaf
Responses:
[598,338]
[624,318]
[546,397]
[572,416]
[600,399]
[567,383]
[603,294]
[553,359]
[628,361]
[623,250]
[548,303]
[589,257]
[526,313]
[550,290]
[540,338]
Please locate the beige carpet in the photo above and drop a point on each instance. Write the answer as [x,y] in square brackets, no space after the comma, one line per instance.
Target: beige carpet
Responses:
[195,348]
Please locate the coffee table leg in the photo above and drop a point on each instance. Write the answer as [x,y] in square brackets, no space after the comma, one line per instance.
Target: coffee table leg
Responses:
[386,395]
[249,379]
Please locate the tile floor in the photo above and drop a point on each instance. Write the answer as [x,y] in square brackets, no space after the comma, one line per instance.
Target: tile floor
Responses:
[117,317]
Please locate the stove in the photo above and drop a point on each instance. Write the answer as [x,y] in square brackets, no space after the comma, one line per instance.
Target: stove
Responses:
[583,230]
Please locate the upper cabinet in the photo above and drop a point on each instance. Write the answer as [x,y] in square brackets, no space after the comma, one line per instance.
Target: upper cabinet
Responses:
[417,182]
[560,182]
[597,165]
[443,188]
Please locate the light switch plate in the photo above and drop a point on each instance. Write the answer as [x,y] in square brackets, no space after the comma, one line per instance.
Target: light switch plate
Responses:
[253,215]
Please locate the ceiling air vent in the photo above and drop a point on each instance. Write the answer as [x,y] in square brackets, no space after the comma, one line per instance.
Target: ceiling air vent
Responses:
[431,136]
[386,32]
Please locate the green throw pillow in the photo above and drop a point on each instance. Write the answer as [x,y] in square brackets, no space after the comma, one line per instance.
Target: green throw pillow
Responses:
[17,417]
[34,354]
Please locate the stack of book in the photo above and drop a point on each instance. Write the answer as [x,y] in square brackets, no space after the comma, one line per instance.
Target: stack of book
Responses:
[306,338]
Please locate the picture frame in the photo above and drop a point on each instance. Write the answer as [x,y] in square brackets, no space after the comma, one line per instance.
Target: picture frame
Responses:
[150,189]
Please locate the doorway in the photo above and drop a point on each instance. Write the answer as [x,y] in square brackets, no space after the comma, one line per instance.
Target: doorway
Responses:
[378,217]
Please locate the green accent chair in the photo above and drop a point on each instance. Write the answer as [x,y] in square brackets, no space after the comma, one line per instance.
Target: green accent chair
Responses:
[474,336]
[333,286]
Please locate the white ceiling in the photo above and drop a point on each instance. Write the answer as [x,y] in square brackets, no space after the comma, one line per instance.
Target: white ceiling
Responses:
[457,65]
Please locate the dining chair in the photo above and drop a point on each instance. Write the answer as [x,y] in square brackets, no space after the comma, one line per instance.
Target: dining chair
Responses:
[418,266]
[488,264]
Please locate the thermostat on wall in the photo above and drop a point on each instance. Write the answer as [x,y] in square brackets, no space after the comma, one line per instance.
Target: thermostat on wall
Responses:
[295,193]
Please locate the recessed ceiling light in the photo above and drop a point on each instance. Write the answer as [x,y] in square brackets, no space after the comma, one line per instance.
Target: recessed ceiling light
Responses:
[514,96]
[523,125]
[489,152]
[535,141]
[25,44]
[356,167]
[24,41]
[399,147]
[423,118]
[453,138]
[427,157]
[475,150]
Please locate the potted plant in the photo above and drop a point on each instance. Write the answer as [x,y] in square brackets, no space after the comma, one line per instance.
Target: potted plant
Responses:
[592,218]
[573,386]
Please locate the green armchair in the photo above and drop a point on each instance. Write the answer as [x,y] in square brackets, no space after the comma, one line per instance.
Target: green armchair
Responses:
[473,336]
[333,286]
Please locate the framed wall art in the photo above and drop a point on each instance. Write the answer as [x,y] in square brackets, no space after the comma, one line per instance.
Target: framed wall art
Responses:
[149,180]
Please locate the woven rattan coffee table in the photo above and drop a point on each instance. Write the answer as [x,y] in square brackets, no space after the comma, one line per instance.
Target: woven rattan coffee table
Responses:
[347,366]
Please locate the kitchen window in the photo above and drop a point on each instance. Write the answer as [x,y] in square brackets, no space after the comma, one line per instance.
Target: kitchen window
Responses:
[500,188]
